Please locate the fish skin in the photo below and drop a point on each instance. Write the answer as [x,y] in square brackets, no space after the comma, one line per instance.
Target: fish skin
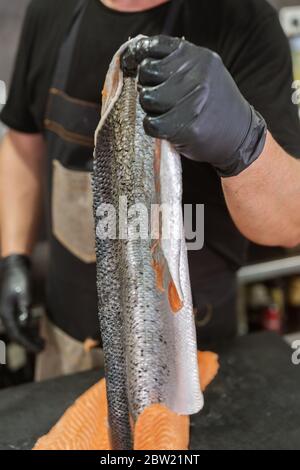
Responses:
[149,342]
[133,330]
[110,151]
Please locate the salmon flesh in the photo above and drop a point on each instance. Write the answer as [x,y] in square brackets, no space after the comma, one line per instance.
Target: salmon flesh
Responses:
[145,303]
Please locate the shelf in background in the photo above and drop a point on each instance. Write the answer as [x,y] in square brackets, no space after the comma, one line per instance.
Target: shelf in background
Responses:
[269,270]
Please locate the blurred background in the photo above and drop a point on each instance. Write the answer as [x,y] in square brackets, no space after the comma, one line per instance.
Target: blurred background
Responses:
[269,286]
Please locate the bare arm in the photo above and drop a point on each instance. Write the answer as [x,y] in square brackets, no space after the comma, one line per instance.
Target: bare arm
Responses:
[21,179]
[264,200]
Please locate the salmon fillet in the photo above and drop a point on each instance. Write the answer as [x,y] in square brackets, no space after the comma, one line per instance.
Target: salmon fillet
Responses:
[84,426]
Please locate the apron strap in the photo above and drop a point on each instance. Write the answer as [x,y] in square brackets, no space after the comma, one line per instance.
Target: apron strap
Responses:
[66,51]
[172,16]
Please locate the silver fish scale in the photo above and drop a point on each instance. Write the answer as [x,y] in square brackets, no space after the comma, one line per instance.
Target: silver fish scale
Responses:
[111,145]
[136,334]
[146,331]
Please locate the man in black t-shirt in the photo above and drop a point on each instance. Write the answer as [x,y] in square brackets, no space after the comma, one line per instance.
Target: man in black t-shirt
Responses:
[222,96]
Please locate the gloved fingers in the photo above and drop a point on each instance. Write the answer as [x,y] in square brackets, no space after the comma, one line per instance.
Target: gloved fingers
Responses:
[153,72]
[8,319]
[34,342]
[31,342]
[28,341]
[23,309]
[16,333]
[161,98]
[168,125]
[155,47]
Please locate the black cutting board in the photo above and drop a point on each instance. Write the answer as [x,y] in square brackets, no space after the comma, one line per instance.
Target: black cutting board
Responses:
[253,403]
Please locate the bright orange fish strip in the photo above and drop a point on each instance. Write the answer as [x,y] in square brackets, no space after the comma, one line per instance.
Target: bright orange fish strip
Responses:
[84,426]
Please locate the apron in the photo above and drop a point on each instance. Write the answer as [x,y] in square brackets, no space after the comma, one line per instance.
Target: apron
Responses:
[70,124]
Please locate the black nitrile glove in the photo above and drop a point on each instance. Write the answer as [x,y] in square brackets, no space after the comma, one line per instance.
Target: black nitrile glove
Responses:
[15,300]
[192,101]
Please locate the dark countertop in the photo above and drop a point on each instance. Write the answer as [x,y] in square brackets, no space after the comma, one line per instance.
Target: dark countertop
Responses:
[252,404]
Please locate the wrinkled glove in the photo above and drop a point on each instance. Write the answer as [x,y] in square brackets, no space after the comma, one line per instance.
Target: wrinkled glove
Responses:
[192,101]
[15,300]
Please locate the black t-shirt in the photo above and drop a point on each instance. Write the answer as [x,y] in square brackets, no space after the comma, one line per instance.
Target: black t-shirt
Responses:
[245,33]
[101,33]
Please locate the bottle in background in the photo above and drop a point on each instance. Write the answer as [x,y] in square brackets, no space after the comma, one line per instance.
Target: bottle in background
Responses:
[258,300]
[273,317]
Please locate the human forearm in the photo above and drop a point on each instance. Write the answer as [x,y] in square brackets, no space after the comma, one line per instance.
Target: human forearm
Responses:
[21,171]
[264,199]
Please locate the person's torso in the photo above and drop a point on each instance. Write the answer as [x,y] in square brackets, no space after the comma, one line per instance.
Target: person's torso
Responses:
[101,31]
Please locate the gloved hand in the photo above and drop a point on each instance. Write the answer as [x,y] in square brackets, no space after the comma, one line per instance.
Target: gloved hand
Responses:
[15,299]
[192,101]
